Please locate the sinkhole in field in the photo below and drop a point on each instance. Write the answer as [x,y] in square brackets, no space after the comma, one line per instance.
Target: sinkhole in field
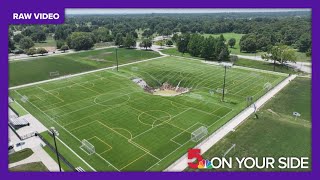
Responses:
[166,89]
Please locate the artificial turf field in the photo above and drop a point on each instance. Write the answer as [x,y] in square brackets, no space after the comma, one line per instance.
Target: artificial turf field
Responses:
[39,68]
[132,129]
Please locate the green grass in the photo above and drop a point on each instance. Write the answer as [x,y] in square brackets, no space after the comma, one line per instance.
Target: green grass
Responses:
[276,133]
[20,155]
[295,98]
[30,167]
[241,62]
[38,69]
[18,109]
[264,66]
[132,129]
[64,151]
[50,42]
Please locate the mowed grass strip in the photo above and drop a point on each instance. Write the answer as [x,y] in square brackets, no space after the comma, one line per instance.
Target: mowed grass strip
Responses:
[276,133]
[38,69]
[132,129]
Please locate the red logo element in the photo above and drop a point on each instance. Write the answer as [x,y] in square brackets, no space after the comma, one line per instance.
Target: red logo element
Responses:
[194,153]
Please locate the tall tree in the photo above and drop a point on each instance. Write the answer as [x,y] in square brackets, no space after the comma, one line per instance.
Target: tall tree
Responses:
[26,43]
[129,41]
[119,40]
[182,43]
[80,41]
[208,48]
[18,37]
[281,54]
[232,42]
[194,45]
[248,43]
[304,42]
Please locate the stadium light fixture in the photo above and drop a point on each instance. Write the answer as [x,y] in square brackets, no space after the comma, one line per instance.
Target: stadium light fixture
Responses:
[225,65]
[55,133]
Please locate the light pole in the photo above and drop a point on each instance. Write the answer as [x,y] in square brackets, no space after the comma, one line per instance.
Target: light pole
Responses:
[182,40]
[117,59]
[55,133]
[225,65]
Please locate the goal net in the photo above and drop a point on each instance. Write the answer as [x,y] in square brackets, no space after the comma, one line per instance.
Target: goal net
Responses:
[220,91]
[267,86]
[24,99]
[87,147]
[199,133]
[55,73]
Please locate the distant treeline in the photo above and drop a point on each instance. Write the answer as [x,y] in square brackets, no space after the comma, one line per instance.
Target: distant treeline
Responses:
[289,28]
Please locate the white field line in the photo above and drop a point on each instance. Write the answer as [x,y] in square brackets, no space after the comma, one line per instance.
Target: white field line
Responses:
[50,93]
[69,133]
[64,143]
[205,145]
[79,74]
[76,154]
[129,140]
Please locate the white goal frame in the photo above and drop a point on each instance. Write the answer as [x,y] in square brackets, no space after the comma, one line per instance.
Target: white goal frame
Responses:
[87,147]
[54,73]
[199,134]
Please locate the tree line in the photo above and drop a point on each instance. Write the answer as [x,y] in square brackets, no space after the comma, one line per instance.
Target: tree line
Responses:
[290,28]
[209,48]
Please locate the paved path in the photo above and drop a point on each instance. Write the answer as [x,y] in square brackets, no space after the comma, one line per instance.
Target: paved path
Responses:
[205,145]
[302,66]
[39,155]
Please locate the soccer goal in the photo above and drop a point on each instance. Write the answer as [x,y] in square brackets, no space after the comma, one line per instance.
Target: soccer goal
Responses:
[233,147]
[220,91]
[267,86]
[199,133]
[54,74]
[87,147]
[24,99]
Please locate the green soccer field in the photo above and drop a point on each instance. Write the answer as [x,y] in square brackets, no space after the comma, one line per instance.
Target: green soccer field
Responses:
[133,130]
[48,67]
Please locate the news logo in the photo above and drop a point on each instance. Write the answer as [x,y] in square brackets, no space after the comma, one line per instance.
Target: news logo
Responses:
[200,163]
[196,161]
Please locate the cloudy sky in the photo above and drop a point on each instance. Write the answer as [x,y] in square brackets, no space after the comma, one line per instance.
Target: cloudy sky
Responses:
[173,10]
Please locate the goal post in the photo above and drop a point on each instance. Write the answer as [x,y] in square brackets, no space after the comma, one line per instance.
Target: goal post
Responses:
[87,147]
[199,133]
[54,73]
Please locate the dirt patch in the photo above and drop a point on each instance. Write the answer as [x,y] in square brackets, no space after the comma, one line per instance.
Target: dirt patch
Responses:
[165,89]
[50,48]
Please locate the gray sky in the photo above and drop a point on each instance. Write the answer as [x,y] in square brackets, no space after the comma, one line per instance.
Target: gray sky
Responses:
[173,10]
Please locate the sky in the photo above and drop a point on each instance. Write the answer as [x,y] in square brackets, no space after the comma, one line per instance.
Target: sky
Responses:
[173,10]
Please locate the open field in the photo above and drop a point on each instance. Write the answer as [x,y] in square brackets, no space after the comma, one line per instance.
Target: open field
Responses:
[264,65]
[38,69]
[30,167]
[18,109]
[276,133]
[241,62]
[20,155]
[130,128]
[50,42]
